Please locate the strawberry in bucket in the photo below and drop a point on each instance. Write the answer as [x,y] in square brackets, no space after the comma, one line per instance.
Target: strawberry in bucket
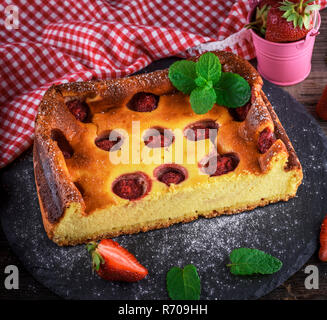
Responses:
[284,21]
[283,35]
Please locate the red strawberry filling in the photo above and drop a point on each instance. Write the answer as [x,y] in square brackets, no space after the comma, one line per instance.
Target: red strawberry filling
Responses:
[169,174]
[239,114]
[109,141]
[172,176]
[265,141]
[200,130]
[129,189]
[106,144]
[79,109]
[158,138]
[62,142]
[143,102]
[132,186]
[219,165]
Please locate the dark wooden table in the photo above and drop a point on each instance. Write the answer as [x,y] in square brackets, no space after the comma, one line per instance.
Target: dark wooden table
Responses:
[308,93]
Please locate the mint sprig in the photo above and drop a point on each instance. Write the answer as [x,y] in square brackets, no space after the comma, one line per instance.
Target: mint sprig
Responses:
[203,98]
[183,284]
[207,84]
[246,261]
[208,67]
[182,74]
[232,90]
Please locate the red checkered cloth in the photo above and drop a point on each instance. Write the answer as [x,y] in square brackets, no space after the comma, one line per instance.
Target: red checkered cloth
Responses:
[56,41]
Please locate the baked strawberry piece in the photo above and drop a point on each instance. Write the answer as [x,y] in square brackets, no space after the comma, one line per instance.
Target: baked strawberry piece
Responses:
[132,186]
[79,109]
[239,114]
[143,102]
[157,137]
[266,140]
[170,174]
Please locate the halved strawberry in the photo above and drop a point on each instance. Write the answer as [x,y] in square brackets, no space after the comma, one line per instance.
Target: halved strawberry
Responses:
[114,263]
[321,107]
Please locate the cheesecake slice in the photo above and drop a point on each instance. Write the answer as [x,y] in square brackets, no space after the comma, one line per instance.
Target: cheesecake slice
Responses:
[128,155]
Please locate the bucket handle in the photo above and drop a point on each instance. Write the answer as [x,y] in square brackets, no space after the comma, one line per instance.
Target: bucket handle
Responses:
[314,31]
[316,25]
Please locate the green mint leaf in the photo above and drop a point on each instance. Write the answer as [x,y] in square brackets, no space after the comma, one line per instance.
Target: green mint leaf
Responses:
[202,99]
[209,67]
[246,261]
[200,82]
[182,75]
[183,284]
[232,90]
[209,84]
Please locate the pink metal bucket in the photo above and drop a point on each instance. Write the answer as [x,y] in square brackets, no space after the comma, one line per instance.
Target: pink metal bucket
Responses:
[285,64]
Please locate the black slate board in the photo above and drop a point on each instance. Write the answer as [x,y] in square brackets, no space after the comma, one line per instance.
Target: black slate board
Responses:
[287,230]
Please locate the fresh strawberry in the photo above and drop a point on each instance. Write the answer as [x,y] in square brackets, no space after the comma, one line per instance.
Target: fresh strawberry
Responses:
[278,29]
[285,21]
[114,263]
[321,107]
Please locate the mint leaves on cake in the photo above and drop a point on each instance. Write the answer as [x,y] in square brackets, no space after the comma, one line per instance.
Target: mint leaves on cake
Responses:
[206,84]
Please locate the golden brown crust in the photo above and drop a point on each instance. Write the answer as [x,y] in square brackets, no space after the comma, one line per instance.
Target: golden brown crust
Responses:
[55,189]
[293,161]
[43,193]
[53,182]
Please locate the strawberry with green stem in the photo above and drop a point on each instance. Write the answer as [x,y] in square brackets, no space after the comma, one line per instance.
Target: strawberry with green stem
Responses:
[285,21]
[114,263]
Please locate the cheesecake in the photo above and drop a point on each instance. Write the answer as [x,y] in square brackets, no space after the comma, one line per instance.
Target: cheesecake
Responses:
[129,155]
